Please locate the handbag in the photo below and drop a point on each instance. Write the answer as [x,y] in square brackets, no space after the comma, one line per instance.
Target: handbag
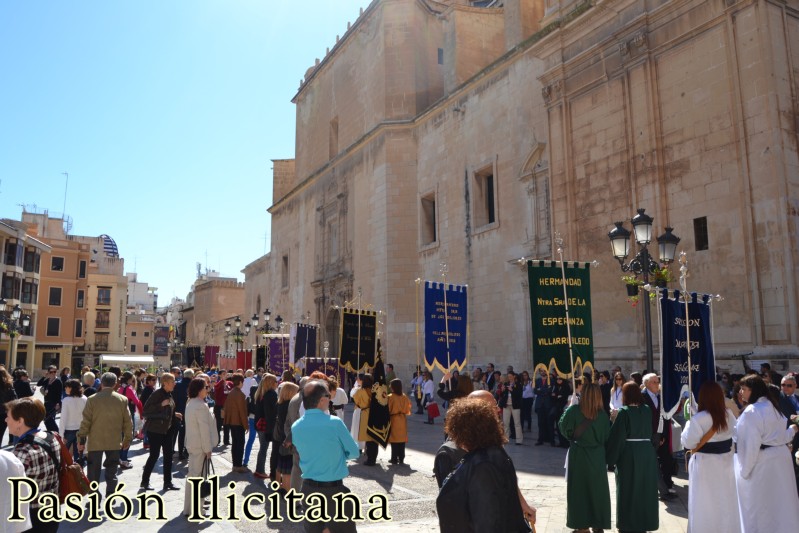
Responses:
[71,478]
[260,425]
[432,410]
[205,486]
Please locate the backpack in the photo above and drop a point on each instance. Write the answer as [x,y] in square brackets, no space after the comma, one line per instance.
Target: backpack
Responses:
[71,478]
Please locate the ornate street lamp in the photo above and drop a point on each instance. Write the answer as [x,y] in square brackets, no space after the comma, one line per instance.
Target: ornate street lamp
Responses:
[269,328]
[238,335]
[643,263]
[13,325]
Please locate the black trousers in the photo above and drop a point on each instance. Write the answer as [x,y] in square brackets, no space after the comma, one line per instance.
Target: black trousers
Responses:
[371,451]
[220,425]
[159,443]
[49,419]
[544,429]
[666,464]
[398,451]
[179,436]
[527,413]
[237,432]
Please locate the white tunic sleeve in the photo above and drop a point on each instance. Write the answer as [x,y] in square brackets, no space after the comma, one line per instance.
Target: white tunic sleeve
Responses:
[694,430]
[748,438]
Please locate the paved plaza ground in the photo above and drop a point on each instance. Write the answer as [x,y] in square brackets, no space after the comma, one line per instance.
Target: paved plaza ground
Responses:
[411,489]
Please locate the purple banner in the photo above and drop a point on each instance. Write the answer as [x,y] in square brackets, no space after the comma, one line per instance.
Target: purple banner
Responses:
[332,368]
[277,346]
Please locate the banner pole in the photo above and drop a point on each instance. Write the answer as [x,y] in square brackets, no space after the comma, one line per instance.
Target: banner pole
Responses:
[418,282]
[559,242]
[358,348]
[444,270]
[684,286]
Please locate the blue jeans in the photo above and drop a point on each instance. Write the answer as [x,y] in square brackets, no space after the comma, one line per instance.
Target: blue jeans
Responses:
[71,441]
[250,441]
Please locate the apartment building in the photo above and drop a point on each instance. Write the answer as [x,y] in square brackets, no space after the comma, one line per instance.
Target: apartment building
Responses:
[21,279]
[84,296]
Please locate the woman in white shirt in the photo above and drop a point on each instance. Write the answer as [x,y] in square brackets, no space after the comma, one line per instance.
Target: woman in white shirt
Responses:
[72,415]
[201,434]
[615,395]
[710,472]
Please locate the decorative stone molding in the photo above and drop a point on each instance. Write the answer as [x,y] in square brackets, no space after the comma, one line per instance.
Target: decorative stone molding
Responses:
[552,91]
[640,40]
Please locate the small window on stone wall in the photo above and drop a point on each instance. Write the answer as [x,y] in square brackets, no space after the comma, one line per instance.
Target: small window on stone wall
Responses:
[428,219]
[700,233]
[284,274]
[484,198]
[440,56]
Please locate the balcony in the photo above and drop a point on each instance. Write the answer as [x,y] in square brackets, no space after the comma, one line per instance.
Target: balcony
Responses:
[104,301]
[102,324]
[101,347]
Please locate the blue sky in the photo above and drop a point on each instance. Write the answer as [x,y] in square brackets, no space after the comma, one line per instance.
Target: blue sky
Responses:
[165,114]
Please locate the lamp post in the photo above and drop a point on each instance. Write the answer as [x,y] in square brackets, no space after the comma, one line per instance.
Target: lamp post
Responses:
[643,263]
[326,348]
[268,328]
[13,325]
[238,335]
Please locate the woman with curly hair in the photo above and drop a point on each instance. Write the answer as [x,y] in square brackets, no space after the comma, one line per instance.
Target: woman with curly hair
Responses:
[481,493]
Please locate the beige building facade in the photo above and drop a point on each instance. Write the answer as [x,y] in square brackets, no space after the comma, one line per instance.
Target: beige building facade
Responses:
[83,295]
[213,301]
[21,272]
[445,132]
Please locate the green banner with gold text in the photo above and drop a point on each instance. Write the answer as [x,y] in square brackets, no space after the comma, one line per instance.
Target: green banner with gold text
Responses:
[548,312]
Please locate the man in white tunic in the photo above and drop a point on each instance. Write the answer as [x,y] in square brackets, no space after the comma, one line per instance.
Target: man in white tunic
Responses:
[763,470]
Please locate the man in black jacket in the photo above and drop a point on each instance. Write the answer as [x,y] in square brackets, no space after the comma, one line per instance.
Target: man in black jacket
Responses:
[159,412]
[509,396]
[51,389]
[181,395]
[661,431]
[541,407]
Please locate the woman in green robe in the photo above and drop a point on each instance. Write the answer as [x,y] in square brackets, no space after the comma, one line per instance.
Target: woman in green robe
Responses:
[630,449]
[587,427]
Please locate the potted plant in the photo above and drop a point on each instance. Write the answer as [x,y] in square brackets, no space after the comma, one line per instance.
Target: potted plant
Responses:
[633,284]
[662,276]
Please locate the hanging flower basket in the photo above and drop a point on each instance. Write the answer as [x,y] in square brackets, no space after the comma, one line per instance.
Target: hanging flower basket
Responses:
[662,277]
[632,289]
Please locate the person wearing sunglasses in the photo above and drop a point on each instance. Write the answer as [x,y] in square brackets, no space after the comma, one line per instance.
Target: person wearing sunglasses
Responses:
[789,405]
[52,389]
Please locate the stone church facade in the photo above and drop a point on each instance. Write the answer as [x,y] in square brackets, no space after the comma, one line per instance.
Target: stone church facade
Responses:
[472,133]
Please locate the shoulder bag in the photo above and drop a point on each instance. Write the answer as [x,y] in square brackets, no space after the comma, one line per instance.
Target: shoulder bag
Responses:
[71,477]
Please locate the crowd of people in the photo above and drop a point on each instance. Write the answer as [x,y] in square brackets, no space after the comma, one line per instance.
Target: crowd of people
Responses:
[740,435]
